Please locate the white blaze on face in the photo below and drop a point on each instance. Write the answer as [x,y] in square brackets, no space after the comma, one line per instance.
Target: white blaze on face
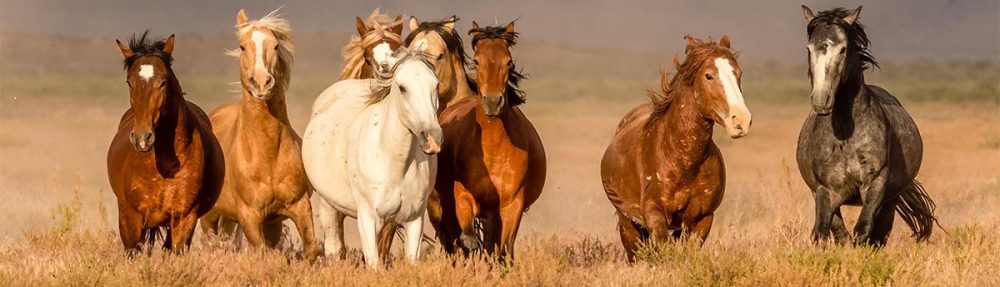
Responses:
[381,53]
[258,39]
[737,122]
[146,72]
[822,60]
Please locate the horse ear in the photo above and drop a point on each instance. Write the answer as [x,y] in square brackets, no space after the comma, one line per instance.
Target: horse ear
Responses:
[510,27]
[475,29]
[168,46]
[414,24]
[691,43]
[853,16]
[806,12]
[360,25]
[397,25]
[241,18]
[725,42]
[126,52]
[451,24]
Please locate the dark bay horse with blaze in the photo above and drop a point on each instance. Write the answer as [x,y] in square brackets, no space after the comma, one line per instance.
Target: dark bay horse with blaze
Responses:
[858,146]
[662,171]
[266,181]
[492,163]
[165,165]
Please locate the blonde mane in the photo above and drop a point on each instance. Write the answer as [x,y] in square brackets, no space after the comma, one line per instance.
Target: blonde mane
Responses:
[286,44]
[354,52]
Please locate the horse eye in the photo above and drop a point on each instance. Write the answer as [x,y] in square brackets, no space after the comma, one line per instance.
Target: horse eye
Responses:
[275,46]
[402,89]
[163,84]
[842,51]
[242,48]
[709,77]
[440,56]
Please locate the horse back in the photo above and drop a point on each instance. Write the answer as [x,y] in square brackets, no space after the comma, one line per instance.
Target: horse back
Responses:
[903,131]
[214,167]
[621,165]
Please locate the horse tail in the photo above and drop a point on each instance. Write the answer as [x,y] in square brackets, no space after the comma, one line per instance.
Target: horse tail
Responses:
[917,210]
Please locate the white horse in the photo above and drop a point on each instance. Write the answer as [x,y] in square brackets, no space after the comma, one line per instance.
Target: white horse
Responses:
[369,151]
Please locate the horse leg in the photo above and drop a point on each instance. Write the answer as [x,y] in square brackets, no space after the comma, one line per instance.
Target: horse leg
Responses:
[250,222]
[368,225]
[631,238]
[333,230]
[827,201]
[301,214]
[840,233]
[130,229]
[181,230]
[466,211]
[492,228]
[414,234]
[210,222]
[385,236]
[874,193]
[510,220]
[883,223]
[702,227]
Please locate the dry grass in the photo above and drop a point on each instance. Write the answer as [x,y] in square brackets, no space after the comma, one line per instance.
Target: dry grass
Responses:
[58,216]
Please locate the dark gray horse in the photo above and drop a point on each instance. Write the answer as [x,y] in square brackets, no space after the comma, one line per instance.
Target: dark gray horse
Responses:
[858,147]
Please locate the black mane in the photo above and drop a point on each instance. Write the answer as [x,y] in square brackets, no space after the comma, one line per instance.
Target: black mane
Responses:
[142,46]
[856,35]
[451,39]
[513,94]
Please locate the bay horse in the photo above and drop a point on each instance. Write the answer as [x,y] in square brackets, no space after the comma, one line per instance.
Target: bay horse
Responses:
[858,146]
[440,41]
[165,166]
[359,52]
[662,171]
[369,150]
[492,162]
[265,182]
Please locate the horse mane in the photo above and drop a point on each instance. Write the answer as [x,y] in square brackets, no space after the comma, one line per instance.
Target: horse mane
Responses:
[286,44]
[354,51]
[513,94]
[695,57]
[142,46]
[451,39]
[381,87]
[856,35]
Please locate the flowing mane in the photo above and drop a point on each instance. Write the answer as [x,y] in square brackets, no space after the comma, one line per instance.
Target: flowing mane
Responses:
[286,44]
[382,85]
[695,57]
[451,39]
[354,51]
[513,94]
[856,36]
[142,46]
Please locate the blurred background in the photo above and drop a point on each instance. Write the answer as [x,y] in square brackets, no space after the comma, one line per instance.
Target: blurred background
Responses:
[62,92]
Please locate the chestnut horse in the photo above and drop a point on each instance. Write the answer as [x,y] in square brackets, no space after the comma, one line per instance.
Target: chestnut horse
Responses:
[265,182]
[358,54]
[662,171]
[492,160]
[164,164]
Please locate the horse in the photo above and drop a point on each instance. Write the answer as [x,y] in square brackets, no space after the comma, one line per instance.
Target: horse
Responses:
[858,146]
[378,35]
[377,31]
[662,171]
[369,150]
[444,46]
[492,162]
[265,182]
[165,166]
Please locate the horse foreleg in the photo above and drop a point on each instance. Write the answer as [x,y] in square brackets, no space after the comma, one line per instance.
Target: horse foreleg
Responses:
[466,211]
[368,225]
[414,234]
[130,229]
[827,201]
[702,228]
[385,236]
[181,231]
[510,220]
[874,194]
[301,214]
[631,238]
[333,230]
[251,223]
[840,233]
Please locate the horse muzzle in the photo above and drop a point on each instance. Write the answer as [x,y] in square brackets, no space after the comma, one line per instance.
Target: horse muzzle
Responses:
[738,123]
[431,142]
[142,141]
[822,102]
[492,105]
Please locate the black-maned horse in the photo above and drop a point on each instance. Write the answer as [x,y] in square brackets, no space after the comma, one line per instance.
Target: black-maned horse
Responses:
[858,146]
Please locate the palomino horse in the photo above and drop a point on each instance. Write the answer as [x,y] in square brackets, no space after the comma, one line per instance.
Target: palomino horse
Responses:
[265,181]
[443,45]
[662,171]
[164,164]
[378,35]
[859,146]
[359,53]
[370,148]
[492,160]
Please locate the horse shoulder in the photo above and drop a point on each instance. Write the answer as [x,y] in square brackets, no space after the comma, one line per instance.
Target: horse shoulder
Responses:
[622,170]
[213,164]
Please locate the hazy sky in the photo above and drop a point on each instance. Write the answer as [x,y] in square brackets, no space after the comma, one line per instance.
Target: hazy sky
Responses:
[767,29]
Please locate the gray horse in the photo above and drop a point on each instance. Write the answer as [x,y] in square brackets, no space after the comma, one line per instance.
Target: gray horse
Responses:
[859,146]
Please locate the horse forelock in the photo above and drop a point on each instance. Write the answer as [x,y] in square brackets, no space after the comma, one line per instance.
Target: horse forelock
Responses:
[282,32]
[857,38]
[143,46]
[513,93]
[453,41]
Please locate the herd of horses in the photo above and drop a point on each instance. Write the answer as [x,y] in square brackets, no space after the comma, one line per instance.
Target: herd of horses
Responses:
[414,131]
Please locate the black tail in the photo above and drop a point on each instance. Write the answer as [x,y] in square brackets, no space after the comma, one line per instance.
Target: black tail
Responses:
[917,209]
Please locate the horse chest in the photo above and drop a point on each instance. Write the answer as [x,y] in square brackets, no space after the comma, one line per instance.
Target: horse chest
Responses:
[847,163]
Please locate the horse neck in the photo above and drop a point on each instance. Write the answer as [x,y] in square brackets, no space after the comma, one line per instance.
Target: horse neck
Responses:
[460,83]
[682,132]
[173,131]
[274,110]
[850,94]
[394,136]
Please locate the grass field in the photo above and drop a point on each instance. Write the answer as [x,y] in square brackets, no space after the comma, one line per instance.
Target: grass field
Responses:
[59,109]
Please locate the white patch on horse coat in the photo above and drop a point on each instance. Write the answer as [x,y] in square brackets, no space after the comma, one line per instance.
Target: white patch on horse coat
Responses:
[821,62]
[729,83]
[146,72]
[381,52]
[258,39]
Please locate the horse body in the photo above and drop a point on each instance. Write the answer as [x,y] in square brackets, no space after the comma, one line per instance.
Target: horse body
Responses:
[662,171]
[266,182]
[492,161]
[369,152]
[859,146]
[168,182]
